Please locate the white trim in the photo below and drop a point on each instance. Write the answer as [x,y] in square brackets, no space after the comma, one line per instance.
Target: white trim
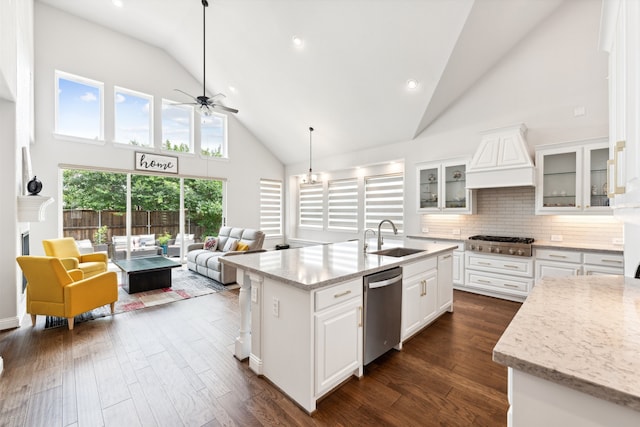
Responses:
[9,323]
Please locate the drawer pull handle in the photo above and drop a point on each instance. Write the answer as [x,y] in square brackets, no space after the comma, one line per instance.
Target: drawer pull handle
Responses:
[484,263]
[616,261]
[341,294]
[557,256]
[446,257]
[484,281]
[508,285]
[510,266]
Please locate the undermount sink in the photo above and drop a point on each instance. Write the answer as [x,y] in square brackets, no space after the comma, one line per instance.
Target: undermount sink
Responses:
[397,252]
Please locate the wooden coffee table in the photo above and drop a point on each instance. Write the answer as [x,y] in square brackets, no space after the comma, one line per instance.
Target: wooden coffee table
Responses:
[146,273]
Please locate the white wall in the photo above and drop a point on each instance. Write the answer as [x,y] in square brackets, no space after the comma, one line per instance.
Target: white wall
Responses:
[15,131]
[67,43]
[556,68]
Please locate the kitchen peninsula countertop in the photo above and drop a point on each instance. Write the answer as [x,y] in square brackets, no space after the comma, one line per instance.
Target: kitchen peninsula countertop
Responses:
[580,332]
[313,267]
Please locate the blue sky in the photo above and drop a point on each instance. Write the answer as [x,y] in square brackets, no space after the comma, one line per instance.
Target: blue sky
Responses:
[78,109]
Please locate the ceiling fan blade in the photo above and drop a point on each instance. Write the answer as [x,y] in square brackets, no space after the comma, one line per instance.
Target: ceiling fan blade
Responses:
[189,95]
[222,107]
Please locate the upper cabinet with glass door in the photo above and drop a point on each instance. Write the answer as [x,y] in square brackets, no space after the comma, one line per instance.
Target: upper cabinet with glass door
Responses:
[442,188]
[572,178]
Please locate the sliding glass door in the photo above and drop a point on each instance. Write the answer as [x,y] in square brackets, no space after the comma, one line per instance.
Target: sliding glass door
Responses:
[164,216]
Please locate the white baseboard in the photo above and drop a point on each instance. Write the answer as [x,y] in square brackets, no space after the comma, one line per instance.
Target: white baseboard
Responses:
[9,323]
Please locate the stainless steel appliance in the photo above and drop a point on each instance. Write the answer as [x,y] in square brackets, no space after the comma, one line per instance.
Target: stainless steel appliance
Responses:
[517,246]
[382,312]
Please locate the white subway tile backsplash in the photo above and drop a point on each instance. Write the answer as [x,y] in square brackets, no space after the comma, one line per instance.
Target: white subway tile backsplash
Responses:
[511,212]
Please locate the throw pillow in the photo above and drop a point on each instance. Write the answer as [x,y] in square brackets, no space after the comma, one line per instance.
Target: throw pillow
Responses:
[211,244]
[231,245]
[242,247]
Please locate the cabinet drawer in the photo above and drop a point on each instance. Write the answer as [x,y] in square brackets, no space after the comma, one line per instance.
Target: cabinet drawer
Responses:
[419,267]
[337,294]
[501,264]
[604,259]
[498,283]
[559,255]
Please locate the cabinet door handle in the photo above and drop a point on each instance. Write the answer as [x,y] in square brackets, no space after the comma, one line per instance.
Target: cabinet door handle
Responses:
[359,316]
[446,257]
[425,287]
[341,294]
[510,266]
[615,261]
[557,256]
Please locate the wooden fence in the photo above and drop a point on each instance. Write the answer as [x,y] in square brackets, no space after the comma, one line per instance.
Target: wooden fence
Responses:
[82,224]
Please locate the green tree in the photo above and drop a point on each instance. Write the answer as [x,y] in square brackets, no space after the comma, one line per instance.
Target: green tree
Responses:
[82,189]
[203,200]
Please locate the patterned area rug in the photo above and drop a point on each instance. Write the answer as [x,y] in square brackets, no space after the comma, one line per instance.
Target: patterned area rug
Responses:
[185,284]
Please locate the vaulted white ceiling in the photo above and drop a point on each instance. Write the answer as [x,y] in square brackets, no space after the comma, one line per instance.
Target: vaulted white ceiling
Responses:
[348,80]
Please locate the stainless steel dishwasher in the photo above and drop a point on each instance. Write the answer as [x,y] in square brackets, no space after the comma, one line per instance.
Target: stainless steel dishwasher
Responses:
[382,312]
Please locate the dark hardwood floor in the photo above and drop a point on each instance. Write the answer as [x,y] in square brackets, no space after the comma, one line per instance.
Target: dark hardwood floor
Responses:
[172,365]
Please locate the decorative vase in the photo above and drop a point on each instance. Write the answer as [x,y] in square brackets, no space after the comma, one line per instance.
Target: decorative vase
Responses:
[34,186]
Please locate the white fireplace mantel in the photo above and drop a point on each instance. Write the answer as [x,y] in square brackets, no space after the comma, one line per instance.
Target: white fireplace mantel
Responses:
[31,208]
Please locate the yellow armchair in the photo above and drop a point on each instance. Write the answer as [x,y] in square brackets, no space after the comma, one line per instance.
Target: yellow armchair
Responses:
[54,291]
[67,250]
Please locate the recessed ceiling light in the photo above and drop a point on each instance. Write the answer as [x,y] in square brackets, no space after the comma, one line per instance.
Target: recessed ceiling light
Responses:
[117,3]
[298,41]
[412,84]
[232,89]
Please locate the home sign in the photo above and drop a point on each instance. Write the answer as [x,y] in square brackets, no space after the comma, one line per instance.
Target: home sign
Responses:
[156,163]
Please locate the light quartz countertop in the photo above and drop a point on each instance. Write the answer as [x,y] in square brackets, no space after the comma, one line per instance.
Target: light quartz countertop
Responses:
[317,266]
[584,247]
[581,332]
[540,244]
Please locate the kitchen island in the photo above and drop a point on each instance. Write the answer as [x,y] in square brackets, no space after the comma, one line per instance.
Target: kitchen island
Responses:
[573,353]
[301,322]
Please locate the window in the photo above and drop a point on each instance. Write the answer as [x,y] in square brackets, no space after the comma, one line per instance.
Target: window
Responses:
[213,135]
[383,199]
[177,127]
[133,117]
[343,204]
[271,207]
[79,107]
[311,212]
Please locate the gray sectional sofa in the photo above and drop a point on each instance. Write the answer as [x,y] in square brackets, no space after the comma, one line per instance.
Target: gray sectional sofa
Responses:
[207,263]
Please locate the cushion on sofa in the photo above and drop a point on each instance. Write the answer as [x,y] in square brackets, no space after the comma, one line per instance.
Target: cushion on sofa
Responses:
[231,245]
[242,247]
[211,243]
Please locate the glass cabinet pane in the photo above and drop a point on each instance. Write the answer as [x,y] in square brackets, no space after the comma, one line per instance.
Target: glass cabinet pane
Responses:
[429,188]
[598,177]
[455,183]
[560,180]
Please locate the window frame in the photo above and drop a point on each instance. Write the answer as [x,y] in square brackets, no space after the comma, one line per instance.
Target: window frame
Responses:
[224,152]
[190,110]
[138,94]
[315,190]
[58,74]
[268,188]
[338,200]
[371,220]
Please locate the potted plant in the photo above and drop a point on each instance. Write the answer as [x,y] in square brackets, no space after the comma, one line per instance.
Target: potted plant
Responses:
[100,239]
[163,240]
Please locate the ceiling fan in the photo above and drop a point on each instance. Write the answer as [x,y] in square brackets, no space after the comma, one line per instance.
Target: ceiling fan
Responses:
[206,104]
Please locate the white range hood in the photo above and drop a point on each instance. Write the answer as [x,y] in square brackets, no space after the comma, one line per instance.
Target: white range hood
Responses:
[502,160]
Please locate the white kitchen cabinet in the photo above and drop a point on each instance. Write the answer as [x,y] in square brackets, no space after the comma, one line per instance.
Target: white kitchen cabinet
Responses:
[419,295]
[564,263]
[442,188]
[620,36]
[501,276]
[458,268]
[572,178]
[445,281]
[338,334]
